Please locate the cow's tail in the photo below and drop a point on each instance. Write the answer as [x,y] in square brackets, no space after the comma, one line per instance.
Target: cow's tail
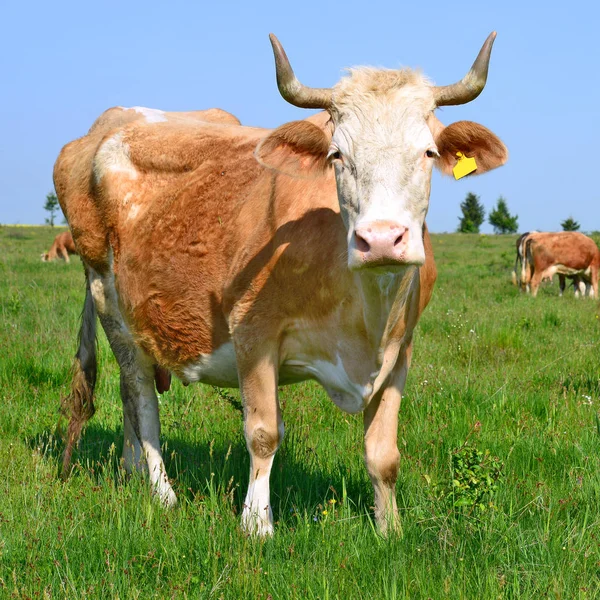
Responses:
[514,272]
[78,406]
[527,270]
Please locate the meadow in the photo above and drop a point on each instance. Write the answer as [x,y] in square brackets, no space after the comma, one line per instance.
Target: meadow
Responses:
[499,434]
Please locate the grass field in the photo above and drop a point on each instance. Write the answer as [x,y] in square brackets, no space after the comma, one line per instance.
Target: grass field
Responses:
[493,371]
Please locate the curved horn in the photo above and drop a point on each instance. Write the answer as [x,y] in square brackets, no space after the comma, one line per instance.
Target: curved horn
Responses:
[289,86]
[472,84]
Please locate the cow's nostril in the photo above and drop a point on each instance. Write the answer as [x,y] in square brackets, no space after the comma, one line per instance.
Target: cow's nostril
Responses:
[361,244]
[401,233]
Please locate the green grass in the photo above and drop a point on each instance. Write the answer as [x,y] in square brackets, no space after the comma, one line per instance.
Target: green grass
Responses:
[492,368]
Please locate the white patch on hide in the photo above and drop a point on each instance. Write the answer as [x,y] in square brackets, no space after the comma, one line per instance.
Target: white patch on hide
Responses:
[113,157]
[218,368]
[152,115]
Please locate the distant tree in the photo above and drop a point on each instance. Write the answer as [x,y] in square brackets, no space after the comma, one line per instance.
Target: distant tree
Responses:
[570,224]
[52,207]
[501,220]
[473,214]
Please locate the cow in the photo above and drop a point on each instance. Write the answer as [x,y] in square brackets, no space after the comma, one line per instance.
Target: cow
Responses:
[568,253]
[61,248]
[519,263]
[253,258]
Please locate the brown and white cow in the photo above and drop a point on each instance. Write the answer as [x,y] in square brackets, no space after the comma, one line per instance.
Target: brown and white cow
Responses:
[566,253]
[245,257]
[61,248]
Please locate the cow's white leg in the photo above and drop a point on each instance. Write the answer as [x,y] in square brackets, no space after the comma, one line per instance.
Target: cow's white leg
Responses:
[132,449]
[585,288]
[263,428]
[140,405]
[381,445]
[141,424]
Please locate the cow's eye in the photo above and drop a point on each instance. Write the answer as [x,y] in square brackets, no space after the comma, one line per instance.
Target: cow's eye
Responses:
[431,153]
[334,154]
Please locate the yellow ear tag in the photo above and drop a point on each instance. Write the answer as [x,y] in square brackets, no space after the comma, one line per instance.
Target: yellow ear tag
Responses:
[464,166]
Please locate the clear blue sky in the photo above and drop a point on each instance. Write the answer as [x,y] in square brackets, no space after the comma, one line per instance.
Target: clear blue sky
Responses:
[63,63]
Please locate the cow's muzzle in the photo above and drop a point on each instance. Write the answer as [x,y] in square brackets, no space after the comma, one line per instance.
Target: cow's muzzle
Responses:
[384,243]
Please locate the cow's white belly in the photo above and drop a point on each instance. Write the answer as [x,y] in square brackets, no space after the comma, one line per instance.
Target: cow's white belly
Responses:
[564,270]
[219,368]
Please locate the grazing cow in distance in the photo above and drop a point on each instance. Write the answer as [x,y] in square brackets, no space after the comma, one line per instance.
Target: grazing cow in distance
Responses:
[61,248]
[253,258]
[568,253]
[577,282]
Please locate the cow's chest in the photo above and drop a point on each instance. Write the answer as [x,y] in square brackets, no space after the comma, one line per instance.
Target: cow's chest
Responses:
[347,376]
[342,363]
[346,391]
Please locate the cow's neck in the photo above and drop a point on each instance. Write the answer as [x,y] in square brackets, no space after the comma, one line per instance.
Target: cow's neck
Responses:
[385,299]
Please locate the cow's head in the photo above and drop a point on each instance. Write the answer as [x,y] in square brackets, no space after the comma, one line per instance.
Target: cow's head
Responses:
[383,142]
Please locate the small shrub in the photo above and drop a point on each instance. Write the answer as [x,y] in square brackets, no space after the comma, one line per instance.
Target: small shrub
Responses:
[474,481]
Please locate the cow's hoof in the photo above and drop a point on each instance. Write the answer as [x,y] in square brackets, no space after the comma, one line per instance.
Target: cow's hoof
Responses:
[255,525]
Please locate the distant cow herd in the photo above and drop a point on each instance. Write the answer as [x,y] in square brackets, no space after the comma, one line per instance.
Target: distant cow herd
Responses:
[568,254]
[62,247]
[540,255]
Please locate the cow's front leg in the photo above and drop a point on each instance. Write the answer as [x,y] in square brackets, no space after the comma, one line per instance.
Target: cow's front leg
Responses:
[381,445]
[263,428]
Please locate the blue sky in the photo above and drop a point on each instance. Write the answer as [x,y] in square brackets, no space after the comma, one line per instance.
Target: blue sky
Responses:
[63,63]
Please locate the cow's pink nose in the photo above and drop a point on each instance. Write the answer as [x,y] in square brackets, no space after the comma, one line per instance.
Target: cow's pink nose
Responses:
[381,241]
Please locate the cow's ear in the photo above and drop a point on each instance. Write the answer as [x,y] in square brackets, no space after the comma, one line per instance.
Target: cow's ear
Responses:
[298,149]
[472,140]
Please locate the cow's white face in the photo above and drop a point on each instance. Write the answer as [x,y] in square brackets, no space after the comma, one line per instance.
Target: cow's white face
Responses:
[383,152]
[383,141]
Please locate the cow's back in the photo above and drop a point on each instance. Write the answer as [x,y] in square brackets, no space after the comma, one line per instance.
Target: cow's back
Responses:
[573,250]
[77,188]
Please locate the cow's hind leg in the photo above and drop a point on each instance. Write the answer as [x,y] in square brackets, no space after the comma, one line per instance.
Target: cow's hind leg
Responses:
[263,428]
[594,282]
[141,423]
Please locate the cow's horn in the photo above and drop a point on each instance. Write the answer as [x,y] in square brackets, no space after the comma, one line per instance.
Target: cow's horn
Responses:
[472,83]
[289,86]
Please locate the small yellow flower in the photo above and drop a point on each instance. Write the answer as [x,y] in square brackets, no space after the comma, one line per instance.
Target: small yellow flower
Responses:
[324,512]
